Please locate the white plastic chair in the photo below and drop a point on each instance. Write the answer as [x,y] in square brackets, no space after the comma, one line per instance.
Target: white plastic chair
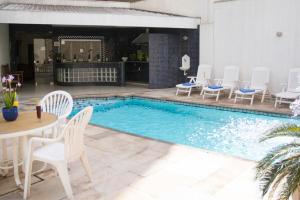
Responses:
[229,82]
[59,103]
[259,83]
[291,91]
[66,148]
[199,81]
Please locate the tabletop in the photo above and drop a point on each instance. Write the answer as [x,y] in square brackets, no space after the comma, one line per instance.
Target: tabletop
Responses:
[26,122]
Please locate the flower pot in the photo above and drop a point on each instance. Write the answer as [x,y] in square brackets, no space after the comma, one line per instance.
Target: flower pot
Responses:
[10,114]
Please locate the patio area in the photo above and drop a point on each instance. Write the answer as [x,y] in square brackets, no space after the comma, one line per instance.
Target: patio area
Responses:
[127,167]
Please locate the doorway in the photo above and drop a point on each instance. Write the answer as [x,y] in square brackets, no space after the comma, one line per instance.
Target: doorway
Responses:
[43,61]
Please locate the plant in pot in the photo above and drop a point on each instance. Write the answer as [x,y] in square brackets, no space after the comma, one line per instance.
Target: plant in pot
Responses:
[279,171]
[10,99]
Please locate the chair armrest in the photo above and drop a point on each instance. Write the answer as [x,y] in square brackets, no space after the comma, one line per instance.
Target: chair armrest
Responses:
[284,87]
[218,81]
[192,79]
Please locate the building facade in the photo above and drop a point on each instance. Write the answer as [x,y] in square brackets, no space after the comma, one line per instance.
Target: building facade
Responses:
[97,43]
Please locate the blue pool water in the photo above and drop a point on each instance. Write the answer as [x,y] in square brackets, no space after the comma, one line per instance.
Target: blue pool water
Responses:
[231,132]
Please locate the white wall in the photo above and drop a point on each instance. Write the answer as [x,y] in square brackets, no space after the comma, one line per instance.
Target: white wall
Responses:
[189,8]
[4,45]
[243,32]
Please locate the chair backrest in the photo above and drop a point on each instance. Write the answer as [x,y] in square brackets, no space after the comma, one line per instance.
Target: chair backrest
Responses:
[186,62]
[59,103]
[231,76]
[294,80]
[73,134]
[203,74]
[260,78]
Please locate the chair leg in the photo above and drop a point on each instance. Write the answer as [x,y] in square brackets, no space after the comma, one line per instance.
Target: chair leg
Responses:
[62,169]
[263,97]
[230,94]
[27,182]
[86,165]
[252,99]
[202,91]
[276,100]
[218,95]
[235,98]
[177,91]
[190,91]
[4,172]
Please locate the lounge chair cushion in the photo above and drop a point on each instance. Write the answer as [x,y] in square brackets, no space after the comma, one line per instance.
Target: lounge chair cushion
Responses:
[215,87]
[188,84]
[245,90]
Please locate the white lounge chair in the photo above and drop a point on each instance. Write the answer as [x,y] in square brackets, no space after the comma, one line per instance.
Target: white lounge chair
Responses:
[199,81]
[67,147]
[291,91]
[229,82]
[259,84]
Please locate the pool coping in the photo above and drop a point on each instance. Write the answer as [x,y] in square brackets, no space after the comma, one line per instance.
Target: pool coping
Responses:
[196,104]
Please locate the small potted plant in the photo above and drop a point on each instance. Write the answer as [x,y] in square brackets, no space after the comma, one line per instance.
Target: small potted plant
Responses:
[10,99]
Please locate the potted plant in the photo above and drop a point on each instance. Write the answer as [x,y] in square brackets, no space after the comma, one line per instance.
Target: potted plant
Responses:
[10,99]
[279,171]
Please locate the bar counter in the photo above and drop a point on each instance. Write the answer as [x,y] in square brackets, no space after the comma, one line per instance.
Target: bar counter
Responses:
[90,73]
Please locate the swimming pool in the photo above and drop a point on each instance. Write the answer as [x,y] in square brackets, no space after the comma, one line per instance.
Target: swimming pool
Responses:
[223,130]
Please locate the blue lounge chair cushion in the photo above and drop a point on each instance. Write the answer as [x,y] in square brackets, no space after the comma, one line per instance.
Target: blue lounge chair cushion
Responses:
[188,84]
[215,87]
[247,90]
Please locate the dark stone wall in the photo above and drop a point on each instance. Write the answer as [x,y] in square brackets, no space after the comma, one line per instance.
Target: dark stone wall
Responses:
[163,59]
[165,52]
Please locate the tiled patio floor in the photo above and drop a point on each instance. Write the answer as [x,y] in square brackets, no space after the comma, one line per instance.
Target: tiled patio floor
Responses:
[127,167]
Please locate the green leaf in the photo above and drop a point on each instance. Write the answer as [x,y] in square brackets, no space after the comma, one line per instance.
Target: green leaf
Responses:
[290,130]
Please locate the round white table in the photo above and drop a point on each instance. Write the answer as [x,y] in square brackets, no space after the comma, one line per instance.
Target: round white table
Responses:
[27,124]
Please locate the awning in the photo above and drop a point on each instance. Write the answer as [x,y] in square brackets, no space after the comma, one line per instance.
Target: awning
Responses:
[13,13]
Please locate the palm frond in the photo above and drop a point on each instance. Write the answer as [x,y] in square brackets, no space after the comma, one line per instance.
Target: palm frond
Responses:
[279,179]
[270,174]
[278,153]
[291,130]
[291,184]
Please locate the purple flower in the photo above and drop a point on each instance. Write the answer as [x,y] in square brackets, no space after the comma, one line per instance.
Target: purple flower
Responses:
[3,79]
[10,78]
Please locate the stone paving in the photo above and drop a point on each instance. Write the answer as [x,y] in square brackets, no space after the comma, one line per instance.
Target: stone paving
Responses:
[127,167]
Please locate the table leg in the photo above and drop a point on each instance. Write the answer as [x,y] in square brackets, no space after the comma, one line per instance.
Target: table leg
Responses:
[25,151]
[16,161]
